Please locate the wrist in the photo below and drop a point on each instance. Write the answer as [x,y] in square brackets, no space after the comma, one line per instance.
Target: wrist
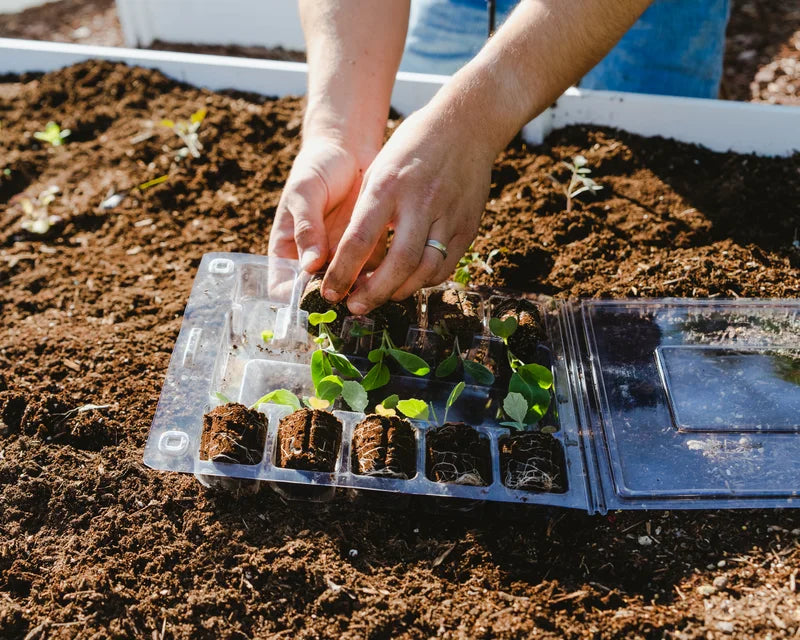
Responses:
[357,133]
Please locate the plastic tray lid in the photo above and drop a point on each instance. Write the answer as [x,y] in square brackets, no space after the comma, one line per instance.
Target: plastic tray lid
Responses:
[691,403]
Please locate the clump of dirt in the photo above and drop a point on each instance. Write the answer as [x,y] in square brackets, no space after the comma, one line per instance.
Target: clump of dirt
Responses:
[457,454]
[12,408]
[312,301]
[530,332]
[308,439]
[396,318]
[384,446]
[455,313]
[533,461]
[233,433]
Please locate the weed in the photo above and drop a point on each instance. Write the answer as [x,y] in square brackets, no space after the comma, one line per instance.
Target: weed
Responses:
[579,181]
[53,134]
[472,260]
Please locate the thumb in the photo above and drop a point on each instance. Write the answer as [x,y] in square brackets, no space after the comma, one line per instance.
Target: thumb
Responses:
[304,199]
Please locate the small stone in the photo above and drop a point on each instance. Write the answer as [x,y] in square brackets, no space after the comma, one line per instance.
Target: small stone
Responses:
[725,626]
[706,590]
[645,541]
[720,582]
[721,564]
[353,553]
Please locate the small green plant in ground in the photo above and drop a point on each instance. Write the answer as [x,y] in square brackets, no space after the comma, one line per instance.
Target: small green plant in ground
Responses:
[379,375]
[472,260]
[36,216]
[52,134]
[579,181]
[451,364]
[326,360]
[187,130]
[528,397]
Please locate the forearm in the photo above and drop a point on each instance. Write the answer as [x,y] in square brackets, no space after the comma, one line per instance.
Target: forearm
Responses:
[354,49]
[544,47]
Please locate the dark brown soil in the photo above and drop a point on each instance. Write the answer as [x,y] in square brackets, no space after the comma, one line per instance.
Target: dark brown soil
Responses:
[384,446]
[94,545]
[312,301]
[308,440]
[533,462]
[233,433]
[396,317]
[456,453]
[454,313]
[530,333]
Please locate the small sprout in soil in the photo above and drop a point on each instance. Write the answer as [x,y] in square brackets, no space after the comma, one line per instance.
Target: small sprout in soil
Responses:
[579,181]
[53,134]
[472,260]
[476,370]
[36,218]
[420,410]
[379,375]
[503,329]
[528,395]
[222,397]
[267,335]
[186,130]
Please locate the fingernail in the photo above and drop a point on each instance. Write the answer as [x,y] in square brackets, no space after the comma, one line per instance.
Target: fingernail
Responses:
[330,294]
[358,308]
[308,257]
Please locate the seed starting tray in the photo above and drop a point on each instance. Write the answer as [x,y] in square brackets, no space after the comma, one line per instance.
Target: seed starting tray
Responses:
[658,404]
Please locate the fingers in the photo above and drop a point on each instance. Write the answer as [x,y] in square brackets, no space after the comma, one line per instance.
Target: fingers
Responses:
[304,200]
[402,260]
[360,240]
[431,263]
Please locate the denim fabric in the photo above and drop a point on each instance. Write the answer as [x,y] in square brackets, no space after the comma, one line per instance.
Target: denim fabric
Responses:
[675,48]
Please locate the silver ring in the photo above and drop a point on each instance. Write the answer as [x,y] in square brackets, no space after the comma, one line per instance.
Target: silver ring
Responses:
[435,244]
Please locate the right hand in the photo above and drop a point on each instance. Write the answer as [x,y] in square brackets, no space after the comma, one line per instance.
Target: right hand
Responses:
[317,202]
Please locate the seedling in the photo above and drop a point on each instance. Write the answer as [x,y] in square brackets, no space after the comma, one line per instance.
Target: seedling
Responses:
[36,218]
[579,181]
[420,410]
[451,364]
[324,361]
[278,396]
[115,198]
[52,134]
[472,260]
[186,130]
[379,375]
[267,335]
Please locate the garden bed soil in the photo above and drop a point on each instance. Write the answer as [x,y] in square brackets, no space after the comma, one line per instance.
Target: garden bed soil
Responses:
[533,462]
[233,433]
[456,453]
[93,544]
[384,446]
[308,440]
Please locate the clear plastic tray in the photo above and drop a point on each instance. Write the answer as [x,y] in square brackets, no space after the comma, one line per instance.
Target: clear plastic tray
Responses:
[657,403]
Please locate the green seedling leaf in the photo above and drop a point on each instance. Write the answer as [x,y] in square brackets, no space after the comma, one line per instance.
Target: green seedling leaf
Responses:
[198,116]
[315,319]
[357,331]
[515,425]
[279,396]
[462,275]
[516,407]
[533,393]
[354,395]
[383,411]
[343,365]
[222,397]
[320,367]
[376,377]
[376,355]
[313,402]
[391,401]
[267,335]
[411,363]
[451,400]
[447,366]
[479,373]
[536,374]
[548,429]
[330,388]
[413,408]
[503,328]
[53,134]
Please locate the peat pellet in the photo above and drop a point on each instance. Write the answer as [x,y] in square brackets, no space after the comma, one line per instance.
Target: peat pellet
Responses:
[533,461]
[530,331]
[384,446]
[457,454]
[312,301]
[233,433]
[454,313]
[309,439]
[396,318]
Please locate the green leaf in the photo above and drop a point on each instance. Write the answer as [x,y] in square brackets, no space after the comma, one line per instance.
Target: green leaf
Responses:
[376,355]
[536,374]
[462,275]
[354,395]
[413,408]
[533,393]
[279,396]
[376,377]
[357,331]
[316,318]
[516,425]
[222,397]
[454,394]
[447,366]
[503,328]
[515,407]
[343,365]
[411,363]
[329,388]
[391,401]
[549,429]
[267,335]
[479,373]
[320,367]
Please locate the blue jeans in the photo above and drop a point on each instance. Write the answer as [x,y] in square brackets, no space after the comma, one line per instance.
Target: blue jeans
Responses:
[675,48]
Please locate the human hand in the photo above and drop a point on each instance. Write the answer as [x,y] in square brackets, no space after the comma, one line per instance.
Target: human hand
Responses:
[430,181]
[317,202]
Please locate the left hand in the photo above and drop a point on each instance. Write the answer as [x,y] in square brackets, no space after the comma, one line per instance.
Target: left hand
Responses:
[430,181]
